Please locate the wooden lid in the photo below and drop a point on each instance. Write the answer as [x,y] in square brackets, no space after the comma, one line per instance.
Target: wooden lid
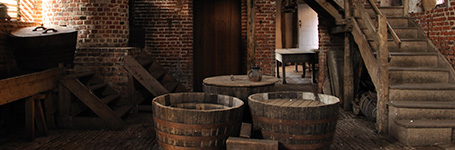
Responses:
[31,32]
[239,81]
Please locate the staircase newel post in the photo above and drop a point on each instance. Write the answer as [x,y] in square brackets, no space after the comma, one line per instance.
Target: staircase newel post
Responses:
[348,72]
[383,92]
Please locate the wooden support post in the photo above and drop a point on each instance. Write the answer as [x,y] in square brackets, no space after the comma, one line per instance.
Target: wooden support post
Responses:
[348,75]
[30,118]
[50,110]
[39,118]
[278,37]
[405,4]
[64,106]
[251,31]
[383,92]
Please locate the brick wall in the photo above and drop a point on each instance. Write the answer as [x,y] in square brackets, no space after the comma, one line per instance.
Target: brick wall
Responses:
[101,23]
[328,41]
[168,27]
[439,25]
[265,35]
[7,61]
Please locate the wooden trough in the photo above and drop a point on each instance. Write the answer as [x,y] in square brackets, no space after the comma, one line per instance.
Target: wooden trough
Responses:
[196,120]
[295,119]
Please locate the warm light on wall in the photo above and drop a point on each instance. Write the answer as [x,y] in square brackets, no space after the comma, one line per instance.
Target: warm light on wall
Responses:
[12,8]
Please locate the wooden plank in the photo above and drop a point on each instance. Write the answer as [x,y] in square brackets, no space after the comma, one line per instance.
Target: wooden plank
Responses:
[405,4]
[30,118]
[394,35]
[39,118]
[251,33]
[348,74]
[91,101]
[278,36]
[50,110]
[330,9]
[365,51]
[234,143]
[383,60]
[63,106]
[245,130]
[142,75]
[12,89]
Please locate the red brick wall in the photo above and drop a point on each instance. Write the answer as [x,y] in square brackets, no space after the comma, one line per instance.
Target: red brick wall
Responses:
[438,24]
[265,35]
[7,61]
[328,41]
[103,23]
[168,29]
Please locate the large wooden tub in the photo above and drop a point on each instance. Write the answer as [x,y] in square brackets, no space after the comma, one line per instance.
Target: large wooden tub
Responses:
[196,120]
[38,48]
[295,119]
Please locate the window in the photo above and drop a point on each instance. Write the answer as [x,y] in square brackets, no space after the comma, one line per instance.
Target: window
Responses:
[442,3]
[13,8]
[24,10]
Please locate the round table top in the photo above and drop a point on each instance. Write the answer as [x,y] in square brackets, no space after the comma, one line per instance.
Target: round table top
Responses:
[239,81]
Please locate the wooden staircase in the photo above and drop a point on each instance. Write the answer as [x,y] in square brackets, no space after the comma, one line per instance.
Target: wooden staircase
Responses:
[418,107]
[86,101]
[149,79]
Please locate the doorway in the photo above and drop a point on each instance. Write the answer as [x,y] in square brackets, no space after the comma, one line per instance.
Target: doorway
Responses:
[217,39]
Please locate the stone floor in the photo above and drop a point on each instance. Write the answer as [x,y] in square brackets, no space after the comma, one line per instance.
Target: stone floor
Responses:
[353,132]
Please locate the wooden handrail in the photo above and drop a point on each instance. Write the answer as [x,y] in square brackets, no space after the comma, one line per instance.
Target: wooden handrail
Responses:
[375,8]
[395,37]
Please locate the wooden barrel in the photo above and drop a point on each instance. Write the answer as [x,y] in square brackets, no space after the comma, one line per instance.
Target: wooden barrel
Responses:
[196,120]
[239,86]
[295,119]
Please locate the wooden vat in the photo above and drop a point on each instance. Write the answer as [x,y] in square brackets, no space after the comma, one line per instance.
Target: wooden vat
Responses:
[295,119]
[196,120]
[239,86]
[38,48]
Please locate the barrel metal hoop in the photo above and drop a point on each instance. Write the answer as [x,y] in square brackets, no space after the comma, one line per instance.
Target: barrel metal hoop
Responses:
[192,138]
[298,137]
[307,146]
[273,121]
[173,147]
[193,126]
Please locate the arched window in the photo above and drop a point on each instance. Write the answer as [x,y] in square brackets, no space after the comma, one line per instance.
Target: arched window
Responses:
[442,3]
[24,10]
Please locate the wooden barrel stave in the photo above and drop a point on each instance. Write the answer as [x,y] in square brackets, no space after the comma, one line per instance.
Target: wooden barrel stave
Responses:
[295,127]
[178,128]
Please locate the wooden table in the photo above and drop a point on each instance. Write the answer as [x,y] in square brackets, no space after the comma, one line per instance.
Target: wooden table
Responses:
[241,87]
[295,55]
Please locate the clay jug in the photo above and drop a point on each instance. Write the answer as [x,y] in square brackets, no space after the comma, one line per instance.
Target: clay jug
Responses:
[428,4]
[255,74]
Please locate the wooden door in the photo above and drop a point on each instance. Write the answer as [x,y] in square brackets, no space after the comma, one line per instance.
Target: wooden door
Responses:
[217,37]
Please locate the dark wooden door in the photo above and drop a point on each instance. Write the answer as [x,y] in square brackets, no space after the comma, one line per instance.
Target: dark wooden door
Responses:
[217,37]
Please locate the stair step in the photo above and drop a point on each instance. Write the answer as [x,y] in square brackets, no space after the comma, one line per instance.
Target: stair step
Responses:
[395,22]
[82,74]
[400,75]
[426,123]
[122,110]
[422,132]
[393,11]
[422,92]
[110,98]
[408,33]
[436,110]
[158,74]
[97,86]
[409,45]
[424,104]
[413,59]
